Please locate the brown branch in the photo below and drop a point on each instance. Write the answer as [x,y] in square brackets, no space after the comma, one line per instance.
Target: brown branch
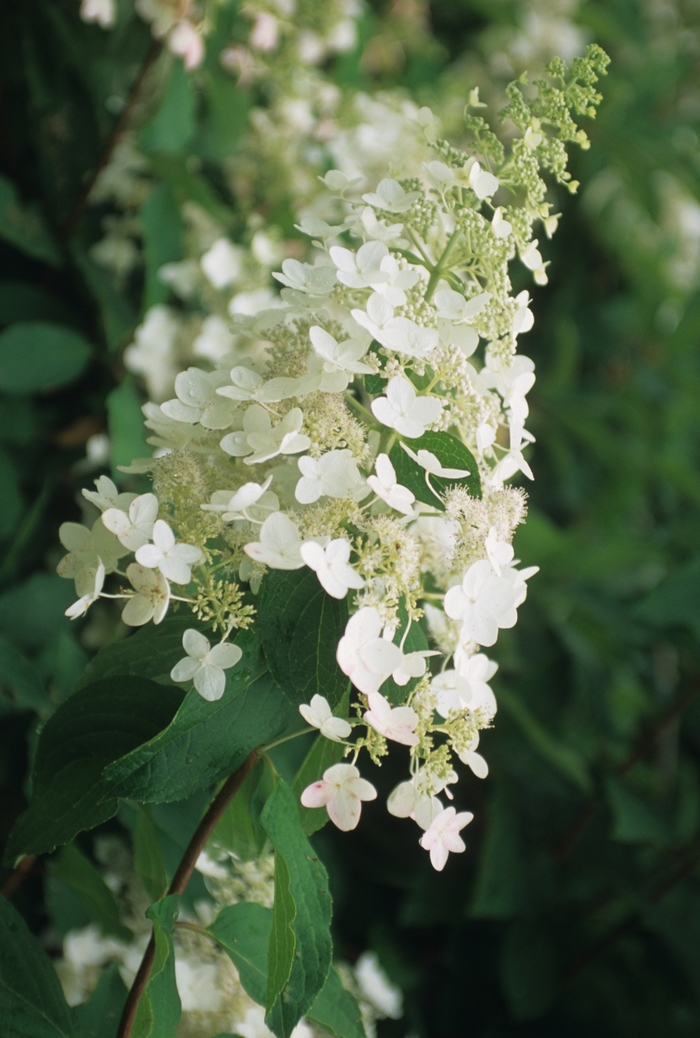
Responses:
[115,136]
[646,743]
[180,880]
[18,875]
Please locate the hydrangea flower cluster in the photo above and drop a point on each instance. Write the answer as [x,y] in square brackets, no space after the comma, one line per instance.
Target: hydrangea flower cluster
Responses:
[369,436]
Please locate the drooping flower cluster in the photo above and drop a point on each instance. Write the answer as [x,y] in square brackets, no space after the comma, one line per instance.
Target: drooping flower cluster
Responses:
[368,435]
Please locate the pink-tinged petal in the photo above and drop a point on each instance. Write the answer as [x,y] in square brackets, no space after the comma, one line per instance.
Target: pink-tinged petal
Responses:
[438,856]
[453,842]
[363,789]
[316,795]
[344,809]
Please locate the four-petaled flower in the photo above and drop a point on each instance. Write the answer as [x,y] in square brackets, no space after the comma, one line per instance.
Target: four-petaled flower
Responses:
[398,723]
[173,560]
[205,666]
[391,196]
[319,715]
[331,566]
[341,360]
[466,686]
[151,599]
[443,836]
[135,527]
[260,441]
[340,791]
[334,474]
[403,410]
[279,543]
[363,655]
[483,602]
[385,486]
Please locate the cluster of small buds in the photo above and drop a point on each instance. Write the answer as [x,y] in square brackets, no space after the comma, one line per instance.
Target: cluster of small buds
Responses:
[393,492]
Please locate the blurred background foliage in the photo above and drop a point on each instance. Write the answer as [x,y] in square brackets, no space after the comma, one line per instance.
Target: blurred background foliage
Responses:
[576,909]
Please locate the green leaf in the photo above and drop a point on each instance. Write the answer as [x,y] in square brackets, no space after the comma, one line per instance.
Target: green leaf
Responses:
[32,613]
[159,1009]
[115,311]
[23,226]
[12,498]
[99,1018]
[206,741]
[499,891]
[244,931]
[674,602]
[21,680]
[127,437]
[300,627]
[239,830]
[24,301]
[151,652]
[36,355]
[336,1010]
[450,452]
[228,107]
[528,970]
[81,876]
[564,759]
[300,951]
[173,124]
[31,1001]
[162,241]
[633,820]
[148,857]
[96,726]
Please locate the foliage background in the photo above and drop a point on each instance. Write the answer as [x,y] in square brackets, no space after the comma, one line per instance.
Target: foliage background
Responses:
[576,909]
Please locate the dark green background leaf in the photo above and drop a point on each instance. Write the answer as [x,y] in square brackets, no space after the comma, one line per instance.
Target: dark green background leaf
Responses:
[36,355]
[96,726]
[31,1001]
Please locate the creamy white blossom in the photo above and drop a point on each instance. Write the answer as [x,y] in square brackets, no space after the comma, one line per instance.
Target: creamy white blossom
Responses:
[319,715]
[331,566]
[397,723]
[133,528]
[402,409]
[385,486]
[279,545]
[483,602]
[341,791]
[204,666]
[442,838]
[173,560]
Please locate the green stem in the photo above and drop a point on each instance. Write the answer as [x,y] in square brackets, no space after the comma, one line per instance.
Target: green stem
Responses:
[180,880]
[442,262]
[361,410]
[285,738]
